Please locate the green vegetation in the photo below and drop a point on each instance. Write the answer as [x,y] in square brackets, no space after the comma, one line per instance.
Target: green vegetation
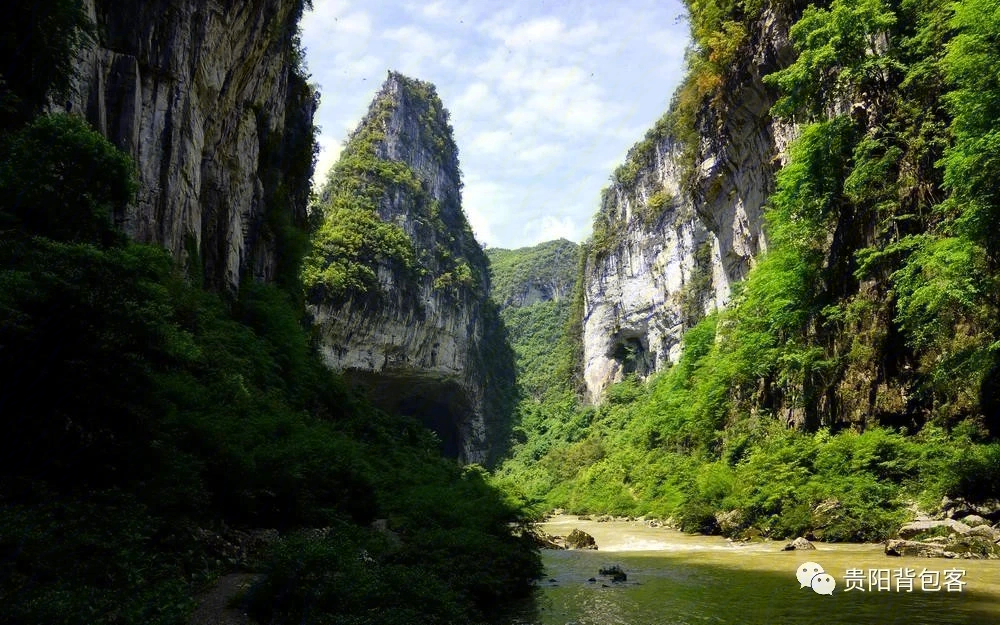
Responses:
[352,239]
[536,334]
[37,46]
[625,181]
[552,265]
[380,222]
[147,418]
[655,207]
[855,369]
[537,329]
[357,235]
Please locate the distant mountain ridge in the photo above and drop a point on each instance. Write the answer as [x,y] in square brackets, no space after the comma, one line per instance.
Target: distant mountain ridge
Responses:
[528,275]
[535,287]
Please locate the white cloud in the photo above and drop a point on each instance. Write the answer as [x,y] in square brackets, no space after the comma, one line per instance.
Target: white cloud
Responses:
[523,118]
[353,25]
[359,67]
[414,40]
[329,152]
[331,23]
[550,227]
[670,47]
[434,10]
[481,199]
[415,49]
[476,99]
[491,141]
[540,153]
[533,32]
[540,32]
[325,14]
[443,11]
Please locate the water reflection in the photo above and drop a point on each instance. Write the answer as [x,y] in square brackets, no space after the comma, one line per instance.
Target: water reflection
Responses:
[675,579]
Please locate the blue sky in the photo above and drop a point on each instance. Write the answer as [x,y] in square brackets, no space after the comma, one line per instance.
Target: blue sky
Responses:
[545,97]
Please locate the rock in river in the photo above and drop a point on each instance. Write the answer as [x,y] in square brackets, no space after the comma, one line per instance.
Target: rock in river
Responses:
[615,572]
[799,544]
[916,549]
[579,539]
[909,530]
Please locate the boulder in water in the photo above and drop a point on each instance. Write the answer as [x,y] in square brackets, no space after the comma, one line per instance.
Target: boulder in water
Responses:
[547,541]
[615,572]
[984,531]
[579,539]
[917,549]
[729,522]
[799,544]
[973,548]
[974,520]
[949,526]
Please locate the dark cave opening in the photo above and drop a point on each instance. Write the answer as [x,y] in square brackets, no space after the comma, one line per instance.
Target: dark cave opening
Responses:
[441,405]
[632,352]
[437,416]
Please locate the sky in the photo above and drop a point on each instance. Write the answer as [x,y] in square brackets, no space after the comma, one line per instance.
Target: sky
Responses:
[545,97]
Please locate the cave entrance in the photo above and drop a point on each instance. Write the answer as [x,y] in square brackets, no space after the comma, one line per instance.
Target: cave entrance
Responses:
[441,405]
[632,353]
[437,416]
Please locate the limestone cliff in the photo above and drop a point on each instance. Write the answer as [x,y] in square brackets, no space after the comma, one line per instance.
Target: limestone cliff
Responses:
[399,286]
[679,225]
[206,98]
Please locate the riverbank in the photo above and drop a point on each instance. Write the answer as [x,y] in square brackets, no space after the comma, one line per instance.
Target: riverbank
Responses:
[960,530]
[676,578]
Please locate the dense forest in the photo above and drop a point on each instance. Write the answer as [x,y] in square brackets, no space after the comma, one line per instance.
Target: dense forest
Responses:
[159,435]
[881,266]
[534,288]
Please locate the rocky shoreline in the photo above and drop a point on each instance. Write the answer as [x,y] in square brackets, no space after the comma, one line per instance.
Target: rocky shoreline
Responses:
[959,529]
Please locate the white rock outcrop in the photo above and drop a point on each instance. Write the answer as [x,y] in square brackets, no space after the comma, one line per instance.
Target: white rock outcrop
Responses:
[679,237]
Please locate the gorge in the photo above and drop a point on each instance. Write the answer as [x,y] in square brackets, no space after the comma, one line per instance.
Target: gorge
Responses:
[782,324]
[784,280]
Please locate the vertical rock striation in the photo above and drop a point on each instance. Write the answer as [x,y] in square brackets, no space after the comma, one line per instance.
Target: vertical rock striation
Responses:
[398,285]
[674,232]
[204,94]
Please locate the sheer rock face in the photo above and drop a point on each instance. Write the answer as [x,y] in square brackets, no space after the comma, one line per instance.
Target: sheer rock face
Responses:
[679,238]
[420,348]
[202,94]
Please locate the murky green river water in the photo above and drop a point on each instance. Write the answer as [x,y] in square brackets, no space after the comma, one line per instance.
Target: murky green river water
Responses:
[676,579]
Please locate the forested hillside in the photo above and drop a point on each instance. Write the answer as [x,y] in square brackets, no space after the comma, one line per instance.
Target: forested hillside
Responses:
[534,287]
[159,435]
[853,373]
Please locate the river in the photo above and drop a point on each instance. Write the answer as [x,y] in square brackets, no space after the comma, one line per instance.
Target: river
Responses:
[680,579]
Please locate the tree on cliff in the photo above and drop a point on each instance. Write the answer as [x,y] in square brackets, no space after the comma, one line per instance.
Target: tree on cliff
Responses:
[38,42]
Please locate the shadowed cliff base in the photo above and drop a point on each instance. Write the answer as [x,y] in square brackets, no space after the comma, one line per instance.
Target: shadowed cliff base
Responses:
[440,404]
